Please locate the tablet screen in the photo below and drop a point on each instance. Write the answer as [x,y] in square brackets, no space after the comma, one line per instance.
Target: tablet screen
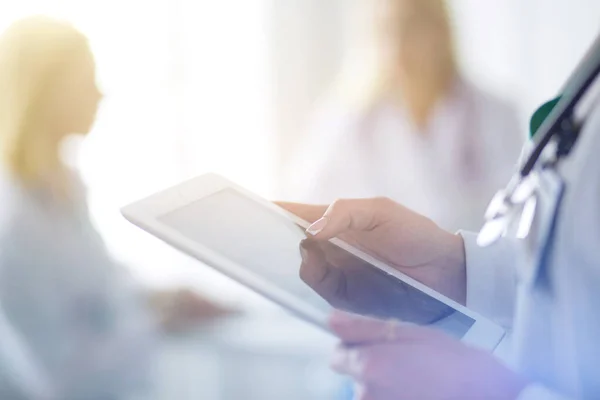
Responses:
[320,273]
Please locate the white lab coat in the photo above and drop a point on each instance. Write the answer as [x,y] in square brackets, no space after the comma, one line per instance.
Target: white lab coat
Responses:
[553,312]
[447,173]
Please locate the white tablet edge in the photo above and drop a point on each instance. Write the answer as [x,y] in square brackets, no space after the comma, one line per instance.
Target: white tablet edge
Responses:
[144,213]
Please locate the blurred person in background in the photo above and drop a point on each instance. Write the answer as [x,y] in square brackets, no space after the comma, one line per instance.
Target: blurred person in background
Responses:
[85,321]
[409,126]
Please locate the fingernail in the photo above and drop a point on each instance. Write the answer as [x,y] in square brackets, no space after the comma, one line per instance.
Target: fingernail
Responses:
[317,227]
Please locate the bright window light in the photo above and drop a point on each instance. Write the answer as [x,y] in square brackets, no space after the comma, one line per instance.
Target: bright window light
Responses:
[186,92]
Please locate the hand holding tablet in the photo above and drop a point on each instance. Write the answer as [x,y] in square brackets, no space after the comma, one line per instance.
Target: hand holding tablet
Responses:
[265,248]
[351,284]
[401,238]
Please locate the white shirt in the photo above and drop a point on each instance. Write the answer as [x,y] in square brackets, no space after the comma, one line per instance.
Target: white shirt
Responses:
[552,309]
[447,173]
[75,309]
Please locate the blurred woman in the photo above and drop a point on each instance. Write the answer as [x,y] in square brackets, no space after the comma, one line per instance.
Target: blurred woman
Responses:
[406,124]
[78,311]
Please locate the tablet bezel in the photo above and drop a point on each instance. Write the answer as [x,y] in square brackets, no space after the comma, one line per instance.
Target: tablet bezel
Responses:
[145,214]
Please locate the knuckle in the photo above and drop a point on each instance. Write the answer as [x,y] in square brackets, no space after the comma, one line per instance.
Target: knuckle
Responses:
[383,202]
[338,207]
[304,273]
[340,203]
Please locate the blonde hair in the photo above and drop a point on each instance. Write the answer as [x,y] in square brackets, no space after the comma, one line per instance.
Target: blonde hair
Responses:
[34,52]
[376,75]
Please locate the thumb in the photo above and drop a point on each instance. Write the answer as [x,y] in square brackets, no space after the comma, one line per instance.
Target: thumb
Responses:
[348,215]
[356,329]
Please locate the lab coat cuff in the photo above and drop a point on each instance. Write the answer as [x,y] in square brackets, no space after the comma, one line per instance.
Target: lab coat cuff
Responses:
[491,283]
[539,392]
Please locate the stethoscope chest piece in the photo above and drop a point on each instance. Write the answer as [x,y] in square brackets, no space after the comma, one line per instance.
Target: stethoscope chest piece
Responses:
[527,218]
[514,207]
[492,230]
[556,129]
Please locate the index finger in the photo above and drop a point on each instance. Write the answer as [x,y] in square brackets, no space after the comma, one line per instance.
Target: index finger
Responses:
[316,272]
[347,215]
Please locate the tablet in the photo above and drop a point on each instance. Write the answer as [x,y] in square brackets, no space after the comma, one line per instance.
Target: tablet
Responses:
[265,248]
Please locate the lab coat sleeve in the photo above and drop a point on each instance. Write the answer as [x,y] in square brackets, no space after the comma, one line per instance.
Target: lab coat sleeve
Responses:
[491,291]
[539,392]
[491,278]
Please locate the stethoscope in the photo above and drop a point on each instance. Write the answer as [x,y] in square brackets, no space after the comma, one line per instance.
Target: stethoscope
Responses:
[553,141]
